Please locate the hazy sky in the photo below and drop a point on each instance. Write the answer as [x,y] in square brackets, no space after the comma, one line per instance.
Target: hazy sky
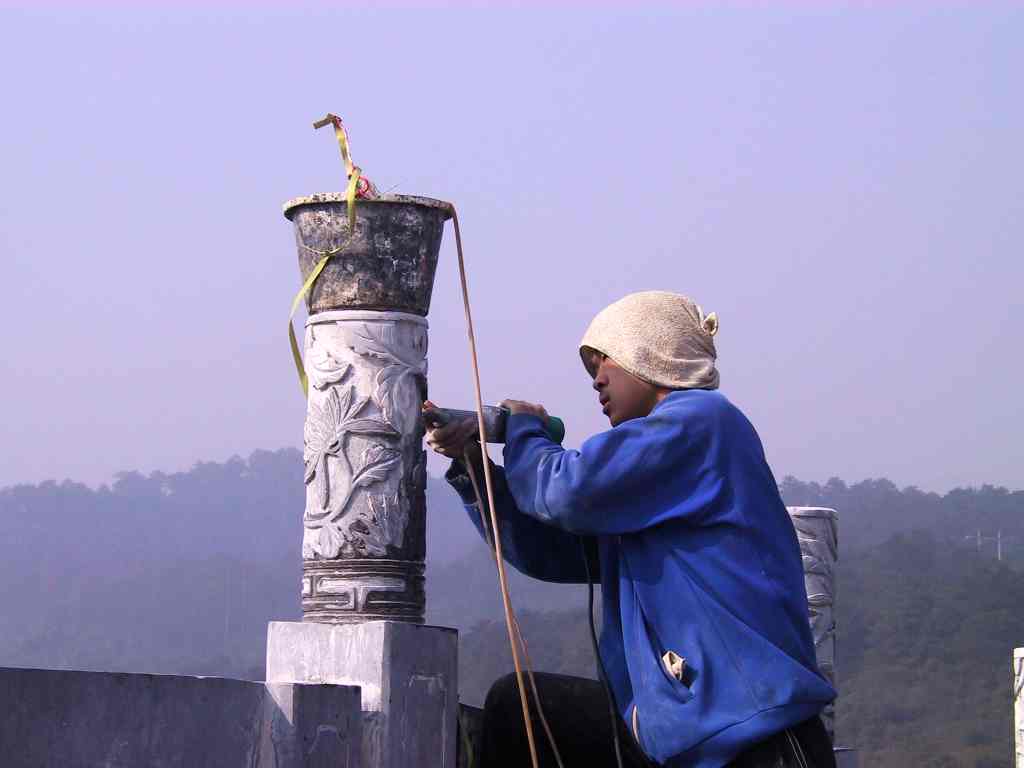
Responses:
[841,183]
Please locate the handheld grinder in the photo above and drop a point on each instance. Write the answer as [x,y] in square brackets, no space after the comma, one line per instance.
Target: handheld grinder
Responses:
[495,420]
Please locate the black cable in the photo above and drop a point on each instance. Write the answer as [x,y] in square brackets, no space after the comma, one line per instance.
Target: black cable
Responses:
[597,653]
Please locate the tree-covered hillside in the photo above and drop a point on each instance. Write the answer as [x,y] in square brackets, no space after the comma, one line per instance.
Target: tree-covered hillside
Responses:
[926,635]
[872,511]
[179,573]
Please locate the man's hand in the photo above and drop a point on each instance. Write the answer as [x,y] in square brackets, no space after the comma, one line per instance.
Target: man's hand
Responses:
[519,406]
[455,438]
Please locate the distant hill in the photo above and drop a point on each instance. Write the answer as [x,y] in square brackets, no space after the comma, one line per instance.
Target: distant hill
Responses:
[926,635]
[872,511]
[180,573]
[175,573]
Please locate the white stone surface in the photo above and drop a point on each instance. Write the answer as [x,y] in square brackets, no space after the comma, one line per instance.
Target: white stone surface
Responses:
[1018,707]
[365,468]
[817,532]
[409,679]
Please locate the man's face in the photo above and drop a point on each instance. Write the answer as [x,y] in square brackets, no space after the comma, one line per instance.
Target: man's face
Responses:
[622,395]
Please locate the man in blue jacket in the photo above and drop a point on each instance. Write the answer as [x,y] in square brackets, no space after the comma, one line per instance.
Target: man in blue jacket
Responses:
[705,641]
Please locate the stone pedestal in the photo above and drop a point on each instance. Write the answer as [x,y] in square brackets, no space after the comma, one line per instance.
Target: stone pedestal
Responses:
[408,675]
[67,718]
[816,529]
[364,523]
[1018,707]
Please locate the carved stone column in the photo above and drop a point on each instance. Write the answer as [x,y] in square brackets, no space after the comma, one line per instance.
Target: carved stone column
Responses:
[1018,707]
[365,471]
[816,529]
[365,358]
[365,467]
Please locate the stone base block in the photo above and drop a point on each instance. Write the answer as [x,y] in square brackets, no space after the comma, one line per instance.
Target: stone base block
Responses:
[66,718]
[408,675]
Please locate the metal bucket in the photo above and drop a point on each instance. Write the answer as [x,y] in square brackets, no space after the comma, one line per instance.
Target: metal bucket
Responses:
[387,264]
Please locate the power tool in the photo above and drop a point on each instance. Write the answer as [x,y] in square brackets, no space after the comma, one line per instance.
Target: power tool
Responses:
[495,419]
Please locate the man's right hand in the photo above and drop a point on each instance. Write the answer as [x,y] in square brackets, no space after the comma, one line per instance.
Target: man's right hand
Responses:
[455,438]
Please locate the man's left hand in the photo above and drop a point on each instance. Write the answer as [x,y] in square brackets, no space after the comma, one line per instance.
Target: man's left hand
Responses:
[519,406]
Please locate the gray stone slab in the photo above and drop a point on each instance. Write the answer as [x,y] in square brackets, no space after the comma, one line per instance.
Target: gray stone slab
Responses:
[112,720]
[408,675]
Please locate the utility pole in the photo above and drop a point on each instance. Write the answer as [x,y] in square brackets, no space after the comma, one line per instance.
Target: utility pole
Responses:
[998,539]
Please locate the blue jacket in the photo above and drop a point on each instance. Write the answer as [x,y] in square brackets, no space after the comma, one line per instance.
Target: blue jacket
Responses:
[697,556]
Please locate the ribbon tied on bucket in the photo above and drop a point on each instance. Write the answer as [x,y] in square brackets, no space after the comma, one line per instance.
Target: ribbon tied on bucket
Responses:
[358,187]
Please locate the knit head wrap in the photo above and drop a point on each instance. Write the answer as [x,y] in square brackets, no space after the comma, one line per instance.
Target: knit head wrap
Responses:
[660,337]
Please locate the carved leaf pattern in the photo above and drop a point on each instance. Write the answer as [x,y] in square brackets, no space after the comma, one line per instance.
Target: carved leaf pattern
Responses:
[377,461]
[331,539]
[370,427]
[323,368]
[397,392]
[381,527]
[330,542]
[398,354]
[326,426]
[322,439]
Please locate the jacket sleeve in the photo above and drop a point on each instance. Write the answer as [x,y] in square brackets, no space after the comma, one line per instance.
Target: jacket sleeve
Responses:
[641,473]
[531,547]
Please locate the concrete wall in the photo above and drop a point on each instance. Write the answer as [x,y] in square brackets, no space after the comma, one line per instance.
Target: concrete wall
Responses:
[110,720]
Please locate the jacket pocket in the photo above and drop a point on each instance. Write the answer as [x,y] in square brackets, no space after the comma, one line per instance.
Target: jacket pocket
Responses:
[671,665]
[661,692]
[662,669]
[675,665]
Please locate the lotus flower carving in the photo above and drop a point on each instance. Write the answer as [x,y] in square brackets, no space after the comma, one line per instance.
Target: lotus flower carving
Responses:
[328,423]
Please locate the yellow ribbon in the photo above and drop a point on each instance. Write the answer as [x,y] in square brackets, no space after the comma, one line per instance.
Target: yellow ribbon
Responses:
[306,286]
[354,173]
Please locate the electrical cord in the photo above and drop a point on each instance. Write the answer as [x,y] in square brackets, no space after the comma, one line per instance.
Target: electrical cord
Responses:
[506,600]
[613,714]
[528,667]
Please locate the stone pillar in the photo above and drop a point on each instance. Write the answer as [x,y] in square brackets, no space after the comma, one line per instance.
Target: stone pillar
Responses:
[816,529]
[365,468]
[365,358]
[364,522]
[1018,707]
